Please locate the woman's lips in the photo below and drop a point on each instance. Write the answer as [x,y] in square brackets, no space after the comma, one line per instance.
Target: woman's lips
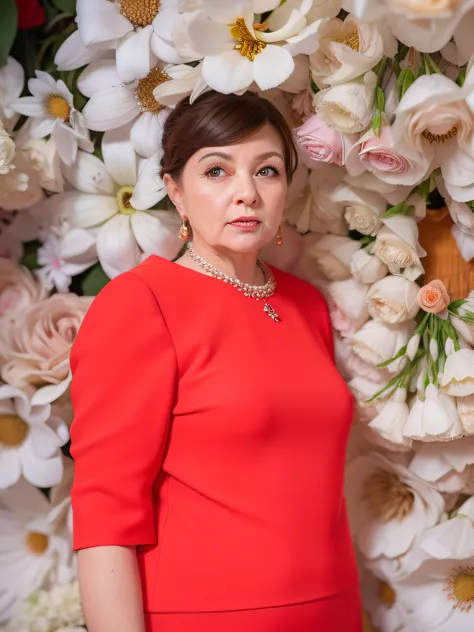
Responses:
[248,224]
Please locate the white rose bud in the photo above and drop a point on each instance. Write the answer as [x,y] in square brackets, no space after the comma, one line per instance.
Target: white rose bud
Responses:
[434,352]
[412,346]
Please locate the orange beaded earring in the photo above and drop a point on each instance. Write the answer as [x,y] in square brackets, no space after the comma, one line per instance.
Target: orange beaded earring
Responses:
[184,230]
[279,237]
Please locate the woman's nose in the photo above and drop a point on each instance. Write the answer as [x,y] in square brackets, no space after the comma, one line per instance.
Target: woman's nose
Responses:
[245,191]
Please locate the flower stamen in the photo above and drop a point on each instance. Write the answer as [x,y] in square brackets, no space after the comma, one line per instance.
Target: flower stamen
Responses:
[140,12]
[440,138]
[460,587]
[124,196]
[145,87]
[13,430]
[387,496]
[58,107]
[349,38]
[37,542]
[248,46]
[386,594]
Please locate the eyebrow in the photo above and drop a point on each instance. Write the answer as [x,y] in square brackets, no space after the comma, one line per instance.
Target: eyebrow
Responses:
[221,154]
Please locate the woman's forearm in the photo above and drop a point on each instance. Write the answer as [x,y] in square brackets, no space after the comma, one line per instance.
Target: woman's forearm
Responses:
[110,589]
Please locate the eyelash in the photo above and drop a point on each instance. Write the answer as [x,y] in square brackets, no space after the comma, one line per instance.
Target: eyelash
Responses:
[276,172]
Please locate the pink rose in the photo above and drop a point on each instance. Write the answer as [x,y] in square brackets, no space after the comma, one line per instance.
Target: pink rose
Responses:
[320,142]
[434,298]
[377,154]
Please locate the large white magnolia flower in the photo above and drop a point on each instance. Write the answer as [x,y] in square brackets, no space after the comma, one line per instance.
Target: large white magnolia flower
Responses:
[113,103]
[388,505]
[234,50]
[52,109]
[30,438]
[103,200]
[34,545]
[434,127]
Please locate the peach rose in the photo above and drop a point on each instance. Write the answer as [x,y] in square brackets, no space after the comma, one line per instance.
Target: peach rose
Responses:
[434,298]
[36,346]
[18,288]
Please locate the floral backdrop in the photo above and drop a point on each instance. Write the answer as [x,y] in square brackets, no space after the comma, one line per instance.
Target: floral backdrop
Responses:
[380,95]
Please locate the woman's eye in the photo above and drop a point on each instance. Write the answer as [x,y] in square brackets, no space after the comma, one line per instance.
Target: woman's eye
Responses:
[214,172]
[268,171]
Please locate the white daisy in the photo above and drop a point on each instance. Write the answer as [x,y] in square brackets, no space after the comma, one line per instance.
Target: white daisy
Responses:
[12,79]
[52,109]
[30,440]
[388,505]
[34,546]
[102,202]
[113,104]
[60,260]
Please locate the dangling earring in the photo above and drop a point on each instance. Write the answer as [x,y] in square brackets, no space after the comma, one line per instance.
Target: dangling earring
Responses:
[184,230]
[279,237]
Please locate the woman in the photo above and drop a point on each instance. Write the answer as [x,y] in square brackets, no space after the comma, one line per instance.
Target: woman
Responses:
[210,427]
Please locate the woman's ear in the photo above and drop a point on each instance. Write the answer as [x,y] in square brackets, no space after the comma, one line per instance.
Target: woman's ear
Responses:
[174,193]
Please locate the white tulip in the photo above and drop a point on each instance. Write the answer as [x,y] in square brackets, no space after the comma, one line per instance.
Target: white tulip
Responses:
[435,418]
[412,346]
[458,374]
[392,418]
[393,299]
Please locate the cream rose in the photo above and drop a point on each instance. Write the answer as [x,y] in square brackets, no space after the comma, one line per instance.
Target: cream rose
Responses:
[397,246]
[362,210]
[366,267]
[347,307]
[347,50]
[36,346]
[347,107]
[393,300]
[19,289]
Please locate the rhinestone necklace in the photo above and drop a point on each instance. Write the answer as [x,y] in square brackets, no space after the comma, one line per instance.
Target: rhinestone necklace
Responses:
[253,291]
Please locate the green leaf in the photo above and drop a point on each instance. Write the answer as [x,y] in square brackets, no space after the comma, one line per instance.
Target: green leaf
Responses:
[314,87]
[454,305]
[470,205]
[424,188]
[380,99]
[94,281]
[8,28]
[366,240]
[401,352]
[405,79]
[399,209]
[461,77]
[68,6]
[377,122]
[30,261]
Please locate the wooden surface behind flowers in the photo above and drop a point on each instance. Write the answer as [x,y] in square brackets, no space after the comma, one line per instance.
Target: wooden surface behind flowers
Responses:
[444,260]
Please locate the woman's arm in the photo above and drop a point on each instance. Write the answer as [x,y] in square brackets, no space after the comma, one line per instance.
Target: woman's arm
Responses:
[110,589]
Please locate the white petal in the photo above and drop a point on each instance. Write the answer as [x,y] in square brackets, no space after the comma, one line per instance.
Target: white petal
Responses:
[65,141]
[38,88]
[90,210]
[98,76]
[305,42]
[29,106]
[147,132]
[165,21]
[227,12]
[39,128]
[12,78]
[40,472]
[171,92]
[228,72]
[133,55]
[77,242]
[43,441]
[119,157]
[262,6]
[110,108]
[73,54]
[47,78]
[150,188]
[272,66]
[51,392]
[117,247]
[100,20]
[89,175]
[164,50]
[10,467]
[208,37]
[156,234]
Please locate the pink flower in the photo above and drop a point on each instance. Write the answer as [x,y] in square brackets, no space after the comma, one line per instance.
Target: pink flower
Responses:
[320,142]
[434,298]
[378,156]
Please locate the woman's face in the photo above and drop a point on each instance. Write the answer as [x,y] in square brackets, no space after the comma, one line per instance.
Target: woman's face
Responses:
[220,185]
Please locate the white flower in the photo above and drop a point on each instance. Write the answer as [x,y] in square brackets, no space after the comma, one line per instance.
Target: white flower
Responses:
[52,110]
[377,342]
[433,462]
[347,50]
[34,546]
[366,267]
[466,412]
[434,128]
[435,418]
[30,438]
[113,104]
[12,79]
[53,255]
[105,198]
[392,418]
[393,193]
[234,53]
[458,374]
[7,151]
[331,256]
[347,307]
[362,209]
[413,345]
[42,158]
[393,300]
[347,107]
[397,246]
[388,505]
[380,601]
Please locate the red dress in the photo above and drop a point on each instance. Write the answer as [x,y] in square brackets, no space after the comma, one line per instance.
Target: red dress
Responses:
[214,439]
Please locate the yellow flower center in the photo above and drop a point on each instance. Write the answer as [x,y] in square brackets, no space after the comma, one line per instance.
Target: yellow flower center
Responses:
[247,45]
[13,430]
[37,542]
[460,587]
[386,594]
[349,37]
[387,496]
[58,107]
[440,138]
[140,12]
[123,199]
[145,87]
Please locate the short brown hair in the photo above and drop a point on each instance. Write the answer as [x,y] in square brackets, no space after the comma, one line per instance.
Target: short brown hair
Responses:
[214,120]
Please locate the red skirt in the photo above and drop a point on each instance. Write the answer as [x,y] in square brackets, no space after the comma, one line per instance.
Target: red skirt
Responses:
[341,612]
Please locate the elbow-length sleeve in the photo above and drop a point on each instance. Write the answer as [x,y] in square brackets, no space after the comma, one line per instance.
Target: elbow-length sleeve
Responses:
[124,380]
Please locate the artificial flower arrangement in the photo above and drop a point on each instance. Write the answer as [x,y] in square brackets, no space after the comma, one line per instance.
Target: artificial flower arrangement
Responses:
[380,96]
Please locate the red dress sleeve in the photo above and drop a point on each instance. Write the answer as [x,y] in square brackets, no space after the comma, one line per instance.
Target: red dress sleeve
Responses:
[124,379]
